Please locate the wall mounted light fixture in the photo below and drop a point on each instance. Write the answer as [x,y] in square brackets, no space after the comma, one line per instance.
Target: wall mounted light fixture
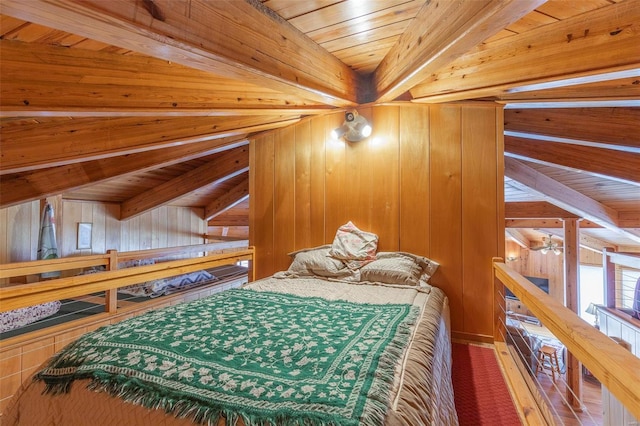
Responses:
[354,129]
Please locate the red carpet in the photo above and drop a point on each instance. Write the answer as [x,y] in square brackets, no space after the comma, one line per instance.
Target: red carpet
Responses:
[481,395]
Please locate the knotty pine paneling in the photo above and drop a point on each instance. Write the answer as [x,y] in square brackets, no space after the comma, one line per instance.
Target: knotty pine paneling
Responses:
[317,178]
[535,264]
[165,226]
[445,204]
[427,181]
[19,229]
[284,195]
[479,203]
[337,177]
[261,209]
[383,150]
[302,199]
[414,182]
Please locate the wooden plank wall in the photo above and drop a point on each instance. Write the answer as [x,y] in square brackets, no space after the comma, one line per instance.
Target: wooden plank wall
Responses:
[166,226]
[429,180]
[535,264]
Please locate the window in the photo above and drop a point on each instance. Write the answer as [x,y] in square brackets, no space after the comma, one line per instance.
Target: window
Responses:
[591,290]
[628,287]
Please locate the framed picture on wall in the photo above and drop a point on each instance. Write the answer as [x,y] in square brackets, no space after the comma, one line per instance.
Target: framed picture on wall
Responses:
[84,235]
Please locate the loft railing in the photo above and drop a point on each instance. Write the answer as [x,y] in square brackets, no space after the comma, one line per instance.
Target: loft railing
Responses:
[24,295]
[615,367]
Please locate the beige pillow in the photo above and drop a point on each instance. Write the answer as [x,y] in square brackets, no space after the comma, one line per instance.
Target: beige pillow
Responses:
[399,268]
[317,261]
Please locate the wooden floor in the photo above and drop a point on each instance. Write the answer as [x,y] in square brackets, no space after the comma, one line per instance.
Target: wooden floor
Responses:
[591,398]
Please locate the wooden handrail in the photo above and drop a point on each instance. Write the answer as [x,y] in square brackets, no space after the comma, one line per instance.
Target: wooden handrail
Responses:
[615,367]
[24,295]
[62,264]
[173,251]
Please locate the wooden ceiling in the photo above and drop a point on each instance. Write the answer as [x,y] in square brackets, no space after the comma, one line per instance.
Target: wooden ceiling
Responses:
[151,102]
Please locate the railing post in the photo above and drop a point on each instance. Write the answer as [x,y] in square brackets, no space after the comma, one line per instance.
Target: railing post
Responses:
[111,295]
[609,271]
[572,286]
[499,307]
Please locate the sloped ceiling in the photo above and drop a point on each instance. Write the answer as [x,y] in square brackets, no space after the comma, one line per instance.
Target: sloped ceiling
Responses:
[133,101]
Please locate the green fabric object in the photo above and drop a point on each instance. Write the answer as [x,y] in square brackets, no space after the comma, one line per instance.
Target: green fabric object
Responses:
[260,356]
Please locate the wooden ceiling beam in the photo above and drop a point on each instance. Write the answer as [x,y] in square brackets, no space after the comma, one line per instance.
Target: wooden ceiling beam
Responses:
[231,198]
[35,185]
[518,238]
[228,220]
[610,163]
[545,223]
[566,198]
[235,39]
[591,243]
[43,80]
[228,165]
[596,42]
[535,210]
[613,128]
[441,32]
[629,219]
[615,89]
[58,143]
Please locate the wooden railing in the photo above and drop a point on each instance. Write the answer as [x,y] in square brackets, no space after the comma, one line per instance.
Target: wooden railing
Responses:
[611,364]
[23,295]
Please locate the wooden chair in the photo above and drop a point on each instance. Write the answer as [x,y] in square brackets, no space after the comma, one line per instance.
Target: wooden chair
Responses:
[548,359]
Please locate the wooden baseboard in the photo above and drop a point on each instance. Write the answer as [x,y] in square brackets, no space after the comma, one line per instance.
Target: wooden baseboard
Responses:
[471,338]
[524,401]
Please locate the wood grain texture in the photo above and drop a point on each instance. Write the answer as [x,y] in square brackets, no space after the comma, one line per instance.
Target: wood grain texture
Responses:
[51,80]
[236,195]
[612,163]
[535,209]
[284,195]
[572,302]
[51,144]
[446,237]
[233,39]
[261,207]
[337,179]
[384,169]
[302,182]
[414,183]
[230,164]
[317,175]
[481,232]
[619,127]
[595,38]
[37,184]
[441,32]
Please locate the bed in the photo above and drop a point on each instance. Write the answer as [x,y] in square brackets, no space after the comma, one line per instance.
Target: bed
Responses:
[322,343]
[11,320]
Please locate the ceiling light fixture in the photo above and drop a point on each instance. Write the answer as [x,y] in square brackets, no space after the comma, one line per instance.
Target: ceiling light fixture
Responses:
[549,246]
[354,129]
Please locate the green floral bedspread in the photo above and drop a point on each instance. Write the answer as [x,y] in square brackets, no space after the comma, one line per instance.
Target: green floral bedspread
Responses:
[260,356]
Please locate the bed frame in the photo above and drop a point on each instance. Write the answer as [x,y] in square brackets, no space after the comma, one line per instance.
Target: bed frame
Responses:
[22,354]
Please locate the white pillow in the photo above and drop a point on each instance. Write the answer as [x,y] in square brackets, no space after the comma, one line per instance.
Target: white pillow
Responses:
[354,246]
